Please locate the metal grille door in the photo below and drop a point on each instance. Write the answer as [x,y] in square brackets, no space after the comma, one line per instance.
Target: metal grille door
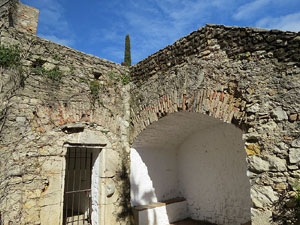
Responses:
[77,195]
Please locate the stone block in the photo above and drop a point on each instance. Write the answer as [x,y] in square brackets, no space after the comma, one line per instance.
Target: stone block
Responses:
[279,114]
[263,196]
[92,137]
[50,215]
[294,155]
[296,143]
[252,149]
[276,164]
[293,117]
[112,163]
[253,108]
[258,164]
[261,217]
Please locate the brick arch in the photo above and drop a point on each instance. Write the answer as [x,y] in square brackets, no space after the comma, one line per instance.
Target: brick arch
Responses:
[217,104]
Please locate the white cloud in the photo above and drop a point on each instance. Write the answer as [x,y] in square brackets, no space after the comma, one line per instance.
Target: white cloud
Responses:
[290,22]
[153,24]
[169,20]
[105,34]
[250,9]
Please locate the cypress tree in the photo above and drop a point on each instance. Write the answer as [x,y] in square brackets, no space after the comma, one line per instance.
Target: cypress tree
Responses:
[127,57]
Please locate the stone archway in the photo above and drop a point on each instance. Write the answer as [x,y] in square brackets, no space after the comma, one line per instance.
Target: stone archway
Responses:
[192,156]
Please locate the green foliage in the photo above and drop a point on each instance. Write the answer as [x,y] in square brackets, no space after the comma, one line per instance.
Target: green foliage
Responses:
[81,80]
[296,200]
[297,189]
[72,71]
[95,88]
[9,56]
[104,131]
[111,76]
[125,79]
[54,74]
[127,57]
[56,57]
[242,56]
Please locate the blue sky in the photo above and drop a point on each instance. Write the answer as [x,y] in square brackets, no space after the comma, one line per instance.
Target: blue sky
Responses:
[98,27]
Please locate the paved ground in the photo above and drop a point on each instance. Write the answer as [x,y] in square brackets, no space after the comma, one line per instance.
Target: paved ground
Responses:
[192,222]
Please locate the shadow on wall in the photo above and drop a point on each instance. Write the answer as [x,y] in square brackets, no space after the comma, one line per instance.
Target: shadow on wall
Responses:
[142,190]
[149,200]
[125,205]
[146,196]
[142,193]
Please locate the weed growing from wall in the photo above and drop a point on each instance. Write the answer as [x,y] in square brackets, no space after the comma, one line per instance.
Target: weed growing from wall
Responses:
[9,56]
[56,57]
[95,88]
[54,74]
[123,78]
[242,56]
[112,76]
[297,198]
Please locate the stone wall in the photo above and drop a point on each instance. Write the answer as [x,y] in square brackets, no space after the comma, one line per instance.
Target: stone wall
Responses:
[237,42]
[54,97]
[245,76]
[15,14]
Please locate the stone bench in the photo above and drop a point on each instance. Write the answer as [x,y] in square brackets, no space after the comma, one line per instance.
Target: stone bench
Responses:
[161,213]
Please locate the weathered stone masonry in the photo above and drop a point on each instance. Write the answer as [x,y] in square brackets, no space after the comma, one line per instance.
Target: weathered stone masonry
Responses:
[40,118]
[246,76]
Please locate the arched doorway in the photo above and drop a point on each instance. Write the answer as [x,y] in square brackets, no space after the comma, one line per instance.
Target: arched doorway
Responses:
[197,159]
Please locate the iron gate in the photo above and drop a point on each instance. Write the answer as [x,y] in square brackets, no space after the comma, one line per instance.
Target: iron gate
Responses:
[77,194]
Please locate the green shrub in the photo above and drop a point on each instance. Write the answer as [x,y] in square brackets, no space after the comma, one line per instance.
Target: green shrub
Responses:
[56,57]
[9,56]
[125,79]
[54,74]
[95,88]
[111,75]
[297,197]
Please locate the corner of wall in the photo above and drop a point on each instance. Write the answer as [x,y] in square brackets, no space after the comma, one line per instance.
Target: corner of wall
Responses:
[22,17]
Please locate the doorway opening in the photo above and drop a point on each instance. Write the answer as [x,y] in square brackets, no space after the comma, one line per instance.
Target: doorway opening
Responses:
[81,186]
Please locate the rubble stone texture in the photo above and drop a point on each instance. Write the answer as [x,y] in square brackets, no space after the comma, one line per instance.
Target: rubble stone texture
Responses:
[246,76]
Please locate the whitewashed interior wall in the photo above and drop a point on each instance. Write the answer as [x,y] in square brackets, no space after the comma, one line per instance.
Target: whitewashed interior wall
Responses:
[197,157]
[212,175]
